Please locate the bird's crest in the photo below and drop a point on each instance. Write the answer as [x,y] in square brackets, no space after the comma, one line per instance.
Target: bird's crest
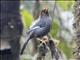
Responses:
[44,11]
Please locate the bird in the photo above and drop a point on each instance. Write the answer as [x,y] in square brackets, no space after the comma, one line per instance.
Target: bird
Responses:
[39,28]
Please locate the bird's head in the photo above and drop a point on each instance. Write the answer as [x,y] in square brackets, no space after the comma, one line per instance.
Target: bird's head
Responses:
[45,12]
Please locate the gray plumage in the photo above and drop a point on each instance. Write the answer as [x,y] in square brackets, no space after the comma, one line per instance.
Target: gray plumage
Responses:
[40,28]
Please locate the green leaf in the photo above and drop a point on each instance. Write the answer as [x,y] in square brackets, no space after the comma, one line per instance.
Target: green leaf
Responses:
[26,18]
[54,29]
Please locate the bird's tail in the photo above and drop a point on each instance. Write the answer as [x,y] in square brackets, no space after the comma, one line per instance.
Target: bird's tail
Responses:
[24,46]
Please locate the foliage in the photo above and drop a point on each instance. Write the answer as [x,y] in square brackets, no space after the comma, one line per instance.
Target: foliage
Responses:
[26,18]
[67,5]
[63,46]
[54,29]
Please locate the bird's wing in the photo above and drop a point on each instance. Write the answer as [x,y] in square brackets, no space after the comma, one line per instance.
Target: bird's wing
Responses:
[37,27]
[34,23]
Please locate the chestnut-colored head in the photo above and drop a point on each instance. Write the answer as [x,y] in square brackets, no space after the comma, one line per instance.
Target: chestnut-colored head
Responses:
[44,12]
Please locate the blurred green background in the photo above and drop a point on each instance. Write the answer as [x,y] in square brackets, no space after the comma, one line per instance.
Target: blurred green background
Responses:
[62,15]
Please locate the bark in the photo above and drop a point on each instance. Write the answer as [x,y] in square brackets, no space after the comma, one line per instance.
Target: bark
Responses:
[77,28]
[11,29]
